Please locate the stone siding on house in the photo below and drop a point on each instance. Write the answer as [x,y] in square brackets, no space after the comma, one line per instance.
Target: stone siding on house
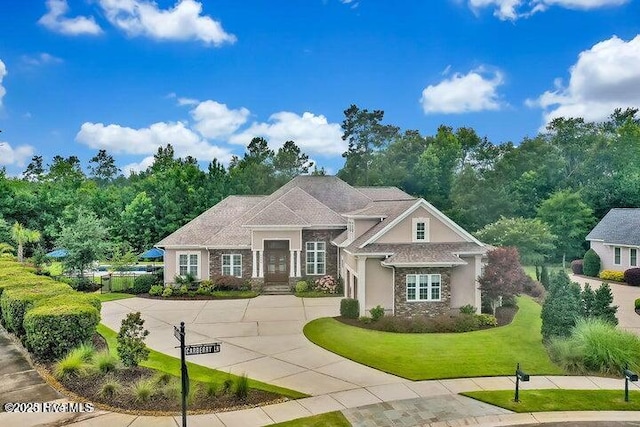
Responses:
[422,308]
[215,261]
[331,251]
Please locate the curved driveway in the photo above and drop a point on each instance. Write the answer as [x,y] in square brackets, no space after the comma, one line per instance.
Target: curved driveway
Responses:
[261,337]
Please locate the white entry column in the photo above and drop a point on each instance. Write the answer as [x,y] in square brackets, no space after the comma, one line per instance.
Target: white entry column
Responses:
[254,266]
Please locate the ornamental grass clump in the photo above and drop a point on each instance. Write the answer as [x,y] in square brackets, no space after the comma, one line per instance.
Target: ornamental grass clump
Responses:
[143,390]
[597,346]
[110,387]
[105,362]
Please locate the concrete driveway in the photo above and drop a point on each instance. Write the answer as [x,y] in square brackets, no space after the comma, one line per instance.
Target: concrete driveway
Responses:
[623,296]
[261,337]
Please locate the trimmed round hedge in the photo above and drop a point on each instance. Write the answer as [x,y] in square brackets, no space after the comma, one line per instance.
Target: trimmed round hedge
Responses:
[73,298]
[591,263]
[53,330]
[24,280]
[16,301]
[632,276]
[143,283]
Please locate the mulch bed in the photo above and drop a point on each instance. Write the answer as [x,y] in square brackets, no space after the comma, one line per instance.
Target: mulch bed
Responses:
[504,316]
[166,397]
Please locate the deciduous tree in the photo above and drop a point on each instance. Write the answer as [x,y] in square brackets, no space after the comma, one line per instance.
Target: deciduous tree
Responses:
[503,275]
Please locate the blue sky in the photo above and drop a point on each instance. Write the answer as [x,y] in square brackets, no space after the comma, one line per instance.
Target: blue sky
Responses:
[130,75]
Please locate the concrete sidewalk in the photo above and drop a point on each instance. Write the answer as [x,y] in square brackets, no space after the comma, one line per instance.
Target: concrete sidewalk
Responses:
[427,394]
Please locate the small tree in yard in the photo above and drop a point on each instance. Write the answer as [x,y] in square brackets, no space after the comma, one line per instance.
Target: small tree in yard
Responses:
[503,276]
[562,307]
[131,347]
[588,300]
[602,307]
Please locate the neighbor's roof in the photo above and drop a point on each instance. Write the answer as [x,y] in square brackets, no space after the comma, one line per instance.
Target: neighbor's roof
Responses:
[619,226]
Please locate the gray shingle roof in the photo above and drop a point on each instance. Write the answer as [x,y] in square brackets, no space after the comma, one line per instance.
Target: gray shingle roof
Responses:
[619,226]
[211,222]
[424,253]
[384,193]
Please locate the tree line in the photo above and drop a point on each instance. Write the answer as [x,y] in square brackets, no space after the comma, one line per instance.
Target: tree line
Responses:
[541,195]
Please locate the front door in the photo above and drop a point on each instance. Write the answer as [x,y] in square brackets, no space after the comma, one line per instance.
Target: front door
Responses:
[276,261]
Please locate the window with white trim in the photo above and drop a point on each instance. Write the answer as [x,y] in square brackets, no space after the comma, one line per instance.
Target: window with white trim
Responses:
[617,255]
[232,265]
[420,230]
[316,258]
[423,287]
[633,257]
[188,263]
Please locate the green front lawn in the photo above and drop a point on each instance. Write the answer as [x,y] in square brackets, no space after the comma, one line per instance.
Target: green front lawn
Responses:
[561,400]
[171,365]
[489,352]
[113,296]
[333,419]
[316,294]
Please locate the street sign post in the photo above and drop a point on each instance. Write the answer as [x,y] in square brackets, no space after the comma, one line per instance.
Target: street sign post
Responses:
[189,350]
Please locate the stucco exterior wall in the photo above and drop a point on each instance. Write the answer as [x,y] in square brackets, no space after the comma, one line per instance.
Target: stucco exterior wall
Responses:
[605,252]
[362,225]
[463,284]
[171,263]
[422,308]
[379,283]
[403,231]
[259,236]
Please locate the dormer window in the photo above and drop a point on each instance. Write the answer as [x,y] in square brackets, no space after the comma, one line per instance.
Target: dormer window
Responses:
[421,229]
[351,229]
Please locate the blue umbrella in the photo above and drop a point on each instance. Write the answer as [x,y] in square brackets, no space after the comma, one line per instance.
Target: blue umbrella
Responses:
[58,253]
[152,253]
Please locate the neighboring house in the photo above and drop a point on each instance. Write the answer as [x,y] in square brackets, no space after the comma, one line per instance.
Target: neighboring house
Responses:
[390,248]
[616,239]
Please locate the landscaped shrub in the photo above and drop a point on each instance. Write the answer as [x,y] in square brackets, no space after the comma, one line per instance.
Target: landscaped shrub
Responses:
[143,390]
[577,267]
[131,347]
[349,308]
[52,330]
[15,303]
[632,276]
[229,283]
[376,313]
[75,362]
[326,284]
[206,287]
[167,292]
[75,298]
[105,362]
[591,263]
[241,388]
[637,303]
[156,290]
[467,309]
[534,289]
[184,290]
[110,387]
[143,283]
[487,320]
[616,276]
[302,286]
[544,277]
[602,305]
[561,307]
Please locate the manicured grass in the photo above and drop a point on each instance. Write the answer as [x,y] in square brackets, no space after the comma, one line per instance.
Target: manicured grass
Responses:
[333,419]
[113,296]
[171,365]
[531,270]
[489,352]
[233,294]
[561,400]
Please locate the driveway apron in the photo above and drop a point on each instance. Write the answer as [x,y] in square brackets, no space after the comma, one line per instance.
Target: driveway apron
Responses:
[261,337]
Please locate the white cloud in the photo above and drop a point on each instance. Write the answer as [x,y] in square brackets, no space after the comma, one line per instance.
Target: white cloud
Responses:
[214,120]
[55,20]
[474,91]
[312,133]
[120,139]
[182,22]
[514,9]
[137,167]
[41,59]
[605,77]
[3,72]
[187,101]
[15,156]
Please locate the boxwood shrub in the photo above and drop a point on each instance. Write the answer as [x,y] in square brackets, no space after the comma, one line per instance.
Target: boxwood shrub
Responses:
[637,303]
[21,280]
[632,276]
[16,301]
[54,329]
[349,308]
[591,263]
[74,298]
[576,266]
